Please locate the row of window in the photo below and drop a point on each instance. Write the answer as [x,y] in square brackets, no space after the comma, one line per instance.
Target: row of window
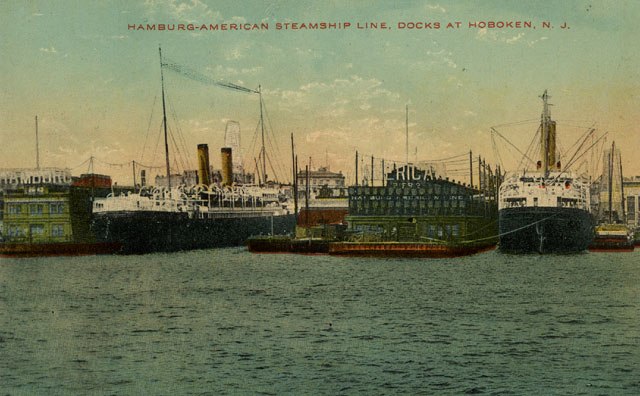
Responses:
[35,230]
[429,230]
[422,212]
[55,208]
[365,205]
[406,190]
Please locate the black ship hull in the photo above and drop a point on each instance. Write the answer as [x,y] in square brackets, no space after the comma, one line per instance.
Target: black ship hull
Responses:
[545,230]
[141,232]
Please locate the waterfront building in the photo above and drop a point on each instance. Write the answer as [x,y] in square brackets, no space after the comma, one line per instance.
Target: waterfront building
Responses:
[631,186]
[418,206]
[321,178]
[36,214]
[47,205]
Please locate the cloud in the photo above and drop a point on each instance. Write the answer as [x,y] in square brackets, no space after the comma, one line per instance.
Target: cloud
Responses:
[224,73]
[436,7]
[192,11]
[515,38]
[534,42]
[308,53]
[347,95]
[485,34]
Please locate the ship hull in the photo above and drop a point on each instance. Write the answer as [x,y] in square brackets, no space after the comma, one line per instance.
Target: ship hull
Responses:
[408,249]
[57,249]
[611,244]
[141,232]
[544,230]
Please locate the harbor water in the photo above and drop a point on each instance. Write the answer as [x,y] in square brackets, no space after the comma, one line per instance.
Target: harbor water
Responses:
[230,322]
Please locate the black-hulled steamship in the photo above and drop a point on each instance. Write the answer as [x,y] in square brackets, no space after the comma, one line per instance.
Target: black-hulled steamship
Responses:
[546,210]
[205,215]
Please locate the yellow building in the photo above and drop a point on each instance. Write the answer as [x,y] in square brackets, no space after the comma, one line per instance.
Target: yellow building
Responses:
[37,214]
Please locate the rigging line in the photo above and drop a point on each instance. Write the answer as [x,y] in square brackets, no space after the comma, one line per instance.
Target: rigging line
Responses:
[181,150]
[199,77]
[516,123]
[441,161]
[512,231]
[531,147]
[254,141]
[146,137]
[496,152]
[139,165]
[274,144]
[512,145]
[484,227]
[584,136]
[582,141]
[155,151]
[83,162]
[111,163]
[272,169]
[278,164]
[583,153]
[274,163]
[179,158]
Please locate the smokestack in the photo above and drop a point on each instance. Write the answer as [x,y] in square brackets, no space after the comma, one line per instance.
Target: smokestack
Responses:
[227,166]
[143,178]
[204,176]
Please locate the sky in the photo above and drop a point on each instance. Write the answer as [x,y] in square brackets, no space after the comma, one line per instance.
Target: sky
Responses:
[94,83]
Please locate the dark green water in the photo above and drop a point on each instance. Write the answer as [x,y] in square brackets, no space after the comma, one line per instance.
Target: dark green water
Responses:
[229,322]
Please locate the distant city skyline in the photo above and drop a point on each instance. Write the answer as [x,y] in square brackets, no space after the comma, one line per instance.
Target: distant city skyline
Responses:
[337,75]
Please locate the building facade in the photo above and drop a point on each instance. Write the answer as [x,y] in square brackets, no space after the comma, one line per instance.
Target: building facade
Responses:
[48,205]
[322,177]
[37,214]
[631,187]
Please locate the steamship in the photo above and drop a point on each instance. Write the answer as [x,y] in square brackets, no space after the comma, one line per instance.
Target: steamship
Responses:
[200,216]
[546,210]
[206,215]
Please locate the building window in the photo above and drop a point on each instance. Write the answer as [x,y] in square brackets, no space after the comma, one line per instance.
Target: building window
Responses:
[455,230]
[36,229]
[432,231]
[56,208]
[57,230]
[631,205]
[16,231]
[14,208]
[36,209]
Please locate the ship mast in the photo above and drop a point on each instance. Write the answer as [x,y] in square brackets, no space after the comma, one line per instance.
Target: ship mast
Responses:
[37,147]
[264,153]
[624,212]
[406,140]
[164,123]
[610,187]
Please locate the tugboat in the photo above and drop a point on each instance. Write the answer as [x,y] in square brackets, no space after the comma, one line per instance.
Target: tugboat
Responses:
[546,210]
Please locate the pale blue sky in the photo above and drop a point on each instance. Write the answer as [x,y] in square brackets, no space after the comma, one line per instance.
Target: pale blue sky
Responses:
[95,85]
